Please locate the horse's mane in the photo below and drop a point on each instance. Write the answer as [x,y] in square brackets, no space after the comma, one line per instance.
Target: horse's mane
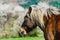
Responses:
[45,6]
[41,10]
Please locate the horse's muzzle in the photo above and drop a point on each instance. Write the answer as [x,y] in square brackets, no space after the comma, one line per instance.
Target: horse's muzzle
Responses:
[22,31]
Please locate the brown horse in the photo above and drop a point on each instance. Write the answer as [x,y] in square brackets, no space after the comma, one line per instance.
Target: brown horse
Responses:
[47,19]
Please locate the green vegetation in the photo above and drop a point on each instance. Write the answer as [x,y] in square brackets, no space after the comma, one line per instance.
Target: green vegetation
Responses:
[24,38]
[55,3]
[29,3]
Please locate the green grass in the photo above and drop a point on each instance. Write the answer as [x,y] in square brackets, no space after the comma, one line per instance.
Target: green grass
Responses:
[24,38]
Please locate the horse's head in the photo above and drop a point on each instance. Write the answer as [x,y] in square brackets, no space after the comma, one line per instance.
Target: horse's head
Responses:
[35,17]
[32,19]
[28,25]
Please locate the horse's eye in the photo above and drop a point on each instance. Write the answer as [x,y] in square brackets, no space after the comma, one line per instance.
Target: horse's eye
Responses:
[24,23]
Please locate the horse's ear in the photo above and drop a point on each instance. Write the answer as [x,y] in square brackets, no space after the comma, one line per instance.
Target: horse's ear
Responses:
[29,11]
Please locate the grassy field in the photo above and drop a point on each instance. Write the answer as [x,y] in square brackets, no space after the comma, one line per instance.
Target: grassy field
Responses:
[24,38]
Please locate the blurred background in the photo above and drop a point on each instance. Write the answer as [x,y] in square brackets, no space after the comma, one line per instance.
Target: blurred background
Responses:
[9,27]
[27,3]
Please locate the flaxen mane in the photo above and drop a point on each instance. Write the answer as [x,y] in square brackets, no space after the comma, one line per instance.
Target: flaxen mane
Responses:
[41,10]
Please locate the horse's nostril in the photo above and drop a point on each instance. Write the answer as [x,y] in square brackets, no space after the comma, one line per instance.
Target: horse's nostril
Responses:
[22,32]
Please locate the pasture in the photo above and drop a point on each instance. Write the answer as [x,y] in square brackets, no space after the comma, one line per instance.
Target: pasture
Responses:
[24,38]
